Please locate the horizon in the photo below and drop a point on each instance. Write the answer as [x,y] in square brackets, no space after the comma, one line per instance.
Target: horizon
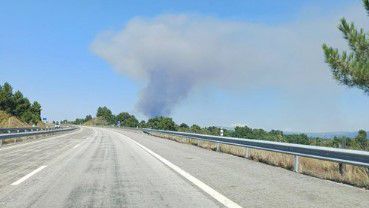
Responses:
[255,63]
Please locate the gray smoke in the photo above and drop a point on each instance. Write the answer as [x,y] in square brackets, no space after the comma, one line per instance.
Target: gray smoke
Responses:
[172,55]
[164,90]
[175,54]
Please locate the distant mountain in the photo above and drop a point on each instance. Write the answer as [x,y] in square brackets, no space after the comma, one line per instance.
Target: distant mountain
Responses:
[329,135]
[325,135]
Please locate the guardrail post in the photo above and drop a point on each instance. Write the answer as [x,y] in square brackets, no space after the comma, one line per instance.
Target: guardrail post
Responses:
[247,152]
[218,147]
[1,142]
[342,168]
[296,163]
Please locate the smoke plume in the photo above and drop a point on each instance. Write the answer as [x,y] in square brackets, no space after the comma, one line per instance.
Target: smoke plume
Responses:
[175,54]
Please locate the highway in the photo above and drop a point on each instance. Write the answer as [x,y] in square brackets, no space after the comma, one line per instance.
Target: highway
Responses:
[103,167]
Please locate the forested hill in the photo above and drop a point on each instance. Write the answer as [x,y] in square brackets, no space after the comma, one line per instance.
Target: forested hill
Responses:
[17,110]
[331,135]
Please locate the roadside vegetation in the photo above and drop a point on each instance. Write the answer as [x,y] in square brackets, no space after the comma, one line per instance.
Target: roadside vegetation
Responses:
[16,110]
[104,116]
[353,175]
[9,121]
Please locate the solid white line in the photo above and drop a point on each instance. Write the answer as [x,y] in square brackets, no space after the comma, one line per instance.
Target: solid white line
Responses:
[28,175]
[213,193]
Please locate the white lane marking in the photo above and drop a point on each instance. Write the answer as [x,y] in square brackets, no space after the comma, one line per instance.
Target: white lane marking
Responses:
[76,146]
[213,193]
[28,175]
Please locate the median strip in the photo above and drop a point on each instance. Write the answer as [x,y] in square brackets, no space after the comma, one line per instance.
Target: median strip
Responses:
[41,140]
[28,175]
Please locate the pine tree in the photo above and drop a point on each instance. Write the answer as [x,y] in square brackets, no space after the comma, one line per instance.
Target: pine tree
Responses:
[7,98]
[361,139]
[17,105]
[351,68]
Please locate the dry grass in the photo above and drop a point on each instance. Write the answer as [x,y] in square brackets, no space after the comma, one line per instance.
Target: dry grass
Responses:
[98,121]
[353,175]
[26,138]
[10,141]
[8,121]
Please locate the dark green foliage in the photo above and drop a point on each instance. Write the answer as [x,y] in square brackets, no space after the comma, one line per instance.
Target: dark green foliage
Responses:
[22,104]
[88,117]
[213,130]
[79,121]
[361,139]
[297,138]
[127,120]
[18,105]
[64,121]
[360,142]
[184,126]
[106,114]
[36,111]
[276,132]
[195,128]
[161,122]
[7,103]
[249,133]
[351,68]
[142,124]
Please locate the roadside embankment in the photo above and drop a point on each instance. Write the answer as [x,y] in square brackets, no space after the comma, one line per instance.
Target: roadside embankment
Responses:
[352,175]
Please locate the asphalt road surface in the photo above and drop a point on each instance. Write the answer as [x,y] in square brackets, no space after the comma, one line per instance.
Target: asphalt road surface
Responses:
[96,167]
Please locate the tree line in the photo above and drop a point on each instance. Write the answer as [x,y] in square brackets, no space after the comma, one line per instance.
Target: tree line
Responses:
[15,104]
[125,119]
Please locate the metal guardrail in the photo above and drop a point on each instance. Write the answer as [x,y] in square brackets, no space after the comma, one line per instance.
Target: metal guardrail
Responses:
[25,129]
[22,132]
[354,157]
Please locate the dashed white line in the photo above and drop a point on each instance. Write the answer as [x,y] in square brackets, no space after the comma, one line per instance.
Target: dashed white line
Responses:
[76,146]
[28,175]
[207,189]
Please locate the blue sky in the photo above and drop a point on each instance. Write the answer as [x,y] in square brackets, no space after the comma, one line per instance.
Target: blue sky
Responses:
[45,51]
